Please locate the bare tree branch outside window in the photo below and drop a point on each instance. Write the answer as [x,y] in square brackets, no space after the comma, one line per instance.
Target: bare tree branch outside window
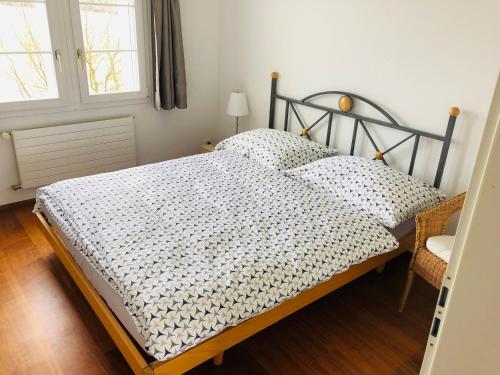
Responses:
[103,68]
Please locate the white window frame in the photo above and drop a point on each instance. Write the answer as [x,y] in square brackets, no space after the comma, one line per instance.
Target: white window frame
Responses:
[70,82]
[82,69]
[59,45]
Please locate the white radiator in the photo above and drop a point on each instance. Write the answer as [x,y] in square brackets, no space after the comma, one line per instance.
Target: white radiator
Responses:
[47,155]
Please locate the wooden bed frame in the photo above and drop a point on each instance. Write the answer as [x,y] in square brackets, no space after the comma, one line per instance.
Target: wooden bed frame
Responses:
[214,347]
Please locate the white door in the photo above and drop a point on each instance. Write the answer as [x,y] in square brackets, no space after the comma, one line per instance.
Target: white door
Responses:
[466,330]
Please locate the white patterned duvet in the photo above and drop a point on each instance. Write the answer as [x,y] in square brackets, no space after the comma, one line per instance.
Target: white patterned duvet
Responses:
[198,244]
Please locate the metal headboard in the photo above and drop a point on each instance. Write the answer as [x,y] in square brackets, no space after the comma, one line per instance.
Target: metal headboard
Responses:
[345,106]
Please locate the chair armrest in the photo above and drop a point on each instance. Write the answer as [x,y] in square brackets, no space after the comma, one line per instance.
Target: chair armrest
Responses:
[432,222]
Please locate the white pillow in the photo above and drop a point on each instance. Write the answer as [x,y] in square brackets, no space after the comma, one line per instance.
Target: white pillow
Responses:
[387,195]
[276,149]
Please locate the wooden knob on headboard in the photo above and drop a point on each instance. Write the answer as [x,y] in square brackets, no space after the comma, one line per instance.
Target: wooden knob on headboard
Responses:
[304,133]
[275,75]
[345,103]
[379,155]
[454,111]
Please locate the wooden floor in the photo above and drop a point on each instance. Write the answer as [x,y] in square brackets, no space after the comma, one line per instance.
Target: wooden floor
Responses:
[47,327]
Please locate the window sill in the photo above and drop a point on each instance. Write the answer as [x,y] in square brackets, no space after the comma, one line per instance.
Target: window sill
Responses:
[74,107]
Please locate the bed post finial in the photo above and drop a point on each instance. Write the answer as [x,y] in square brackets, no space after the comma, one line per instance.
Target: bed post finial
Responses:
[453,112]
[272,105]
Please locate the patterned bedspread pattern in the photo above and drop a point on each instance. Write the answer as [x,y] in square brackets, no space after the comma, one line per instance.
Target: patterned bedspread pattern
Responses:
[198,244]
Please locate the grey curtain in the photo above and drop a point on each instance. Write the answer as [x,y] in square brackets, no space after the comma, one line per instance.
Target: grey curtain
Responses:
[168,55]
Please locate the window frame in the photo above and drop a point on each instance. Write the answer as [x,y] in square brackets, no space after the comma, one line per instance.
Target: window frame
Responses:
[58,43]
[61,28]
[78,44]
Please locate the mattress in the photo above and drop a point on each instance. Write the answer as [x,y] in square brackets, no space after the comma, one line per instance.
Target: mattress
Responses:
[182,250]
[403,229]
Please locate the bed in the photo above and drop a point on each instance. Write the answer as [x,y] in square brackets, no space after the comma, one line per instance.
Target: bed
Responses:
[183,259]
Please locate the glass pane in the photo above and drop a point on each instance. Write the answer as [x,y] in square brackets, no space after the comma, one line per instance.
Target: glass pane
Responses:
[27,69]
[26,77]
[112,72]
[108,27]
[23,27]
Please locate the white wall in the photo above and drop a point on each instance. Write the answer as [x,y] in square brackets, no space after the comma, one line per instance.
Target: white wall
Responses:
[159,135]
[414,58]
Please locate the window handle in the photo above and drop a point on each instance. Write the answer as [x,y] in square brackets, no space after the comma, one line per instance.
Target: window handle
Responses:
[81,56]
[57,56]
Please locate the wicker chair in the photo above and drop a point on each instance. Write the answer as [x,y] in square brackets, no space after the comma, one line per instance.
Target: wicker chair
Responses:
[431,222]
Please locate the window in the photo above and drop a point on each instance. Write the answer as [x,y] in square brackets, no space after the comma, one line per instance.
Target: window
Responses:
[110,56]
[27,66]
[104,42]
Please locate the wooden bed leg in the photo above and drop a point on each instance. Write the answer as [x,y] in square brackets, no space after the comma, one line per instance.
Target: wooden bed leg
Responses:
[380,269]
[218,359]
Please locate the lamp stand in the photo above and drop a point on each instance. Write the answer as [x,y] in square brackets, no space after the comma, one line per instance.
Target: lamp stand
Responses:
[237,123]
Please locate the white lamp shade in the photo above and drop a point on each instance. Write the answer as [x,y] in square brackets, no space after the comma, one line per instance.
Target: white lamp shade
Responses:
[237,105]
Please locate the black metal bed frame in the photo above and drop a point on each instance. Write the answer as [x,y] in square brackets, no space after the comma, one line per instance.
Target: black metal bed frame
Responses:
[345,106]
